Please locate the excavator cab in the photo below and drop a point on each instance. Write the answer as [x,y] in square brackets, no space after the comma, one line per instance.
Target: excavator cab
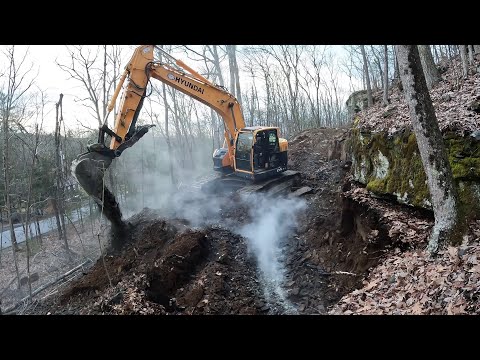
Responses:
[258,153]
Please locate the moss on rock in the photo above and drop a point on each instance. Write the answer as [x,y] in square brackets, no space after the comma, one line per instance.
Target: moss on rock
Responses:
[392,165]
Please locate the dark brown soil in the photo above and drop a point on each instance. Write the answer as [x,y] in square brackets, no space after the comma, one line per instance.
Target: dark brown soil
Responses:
[165,268]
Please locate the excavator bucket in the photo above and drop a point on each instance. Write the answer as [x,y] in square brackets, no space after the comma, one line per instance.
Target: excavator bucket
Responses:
[90,170]
[90,167]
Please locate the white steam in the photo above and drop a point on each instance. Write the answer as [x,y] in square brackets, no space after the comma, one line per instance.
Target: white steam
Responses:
[273,220]
[269,224]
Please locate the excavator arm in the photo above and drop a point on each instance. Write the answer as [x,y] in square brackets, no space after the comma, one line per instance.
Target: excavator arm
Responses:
[140,69]
[90,166]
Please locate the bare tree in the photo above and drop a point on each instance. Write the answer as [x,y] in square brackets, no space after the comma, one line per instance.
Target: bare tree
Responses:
[431,147]
[60,176]
[432,76]
[212,56]
[82,69]
[17,85]
[463,56]
[367,76]
[470,54]
[288,58]
[234,76]
[385,75]
[34,155]
[317,59]
[95,75]
[167,132]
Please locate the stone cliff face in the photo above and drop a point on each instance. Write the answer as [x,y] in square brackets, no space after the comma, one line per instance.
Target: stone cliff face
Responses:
[384,150]
[356,102]
[390,165]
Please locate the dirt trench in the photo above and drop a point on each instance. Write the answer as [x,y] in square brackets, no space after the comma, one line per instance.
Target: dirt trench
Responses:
[171,265]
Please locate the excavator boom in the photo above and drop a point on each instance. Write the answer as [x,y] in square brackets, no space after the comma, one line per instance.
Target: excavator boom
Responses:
[253,153]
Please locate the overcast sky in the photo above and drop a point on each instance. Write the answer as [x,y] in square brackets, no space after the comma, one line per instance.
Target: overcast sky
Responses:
[51,79]
[54,81]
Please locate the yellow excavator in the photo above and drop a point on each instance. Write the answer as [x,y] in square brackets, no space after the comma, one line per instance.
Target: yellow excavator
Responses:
[252,158]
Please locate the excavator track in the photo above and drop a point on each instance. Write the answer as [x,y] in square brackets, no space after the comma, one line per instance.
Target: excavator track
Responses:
[280,184]
[223,185]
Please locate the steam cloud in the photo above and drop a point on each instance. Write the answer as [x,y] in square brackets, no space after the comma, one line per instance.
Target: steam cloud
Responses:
[273,220]
[269,223]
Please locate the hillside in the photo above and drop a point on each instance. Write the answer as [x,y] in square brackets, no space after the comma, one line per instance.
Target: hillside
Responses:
[456,103]
[407,280]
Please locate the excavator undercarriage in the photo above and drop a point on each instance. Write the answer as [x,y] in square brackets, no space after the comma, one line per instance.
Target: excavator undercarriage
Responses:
[283,183]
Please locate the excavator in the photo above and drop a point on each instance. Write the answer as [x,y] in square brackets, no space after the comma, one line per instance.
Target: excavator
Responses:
[251,159]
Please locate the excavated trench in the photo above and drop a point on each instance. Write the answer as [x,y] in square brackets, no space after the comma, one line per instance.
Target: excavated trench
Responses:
[214,258]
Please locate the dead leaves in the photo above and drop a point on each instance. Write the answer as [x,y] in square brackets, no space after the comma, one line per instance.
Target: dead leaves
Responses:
[402,224]
[371,285]
[412,283]
[452,111]
[126,298]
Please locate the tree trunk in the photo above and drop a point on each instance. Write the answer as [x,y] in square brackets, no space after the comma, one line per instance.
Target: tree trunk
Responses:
[27,215]
[463,56]
[449,50]
[442,55]
[367,76]
[237,76]
[231,67]
[1,234]
[435,53]
[104,87]
[476,49]
[59,188]
[470,54]
[396,73]
[57,216]
[385,76]
[432,76]
[167,134]
[216,63]
[38,230]
[431,147]
[6,179]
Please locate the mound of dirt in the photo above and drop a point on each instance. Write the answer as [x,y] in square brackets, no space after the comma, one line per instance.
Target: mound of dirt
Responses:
[165,267]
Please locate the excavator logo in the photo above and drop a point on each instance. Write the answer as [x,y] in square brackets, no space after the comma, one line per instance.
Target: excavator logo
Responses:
[185,83]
